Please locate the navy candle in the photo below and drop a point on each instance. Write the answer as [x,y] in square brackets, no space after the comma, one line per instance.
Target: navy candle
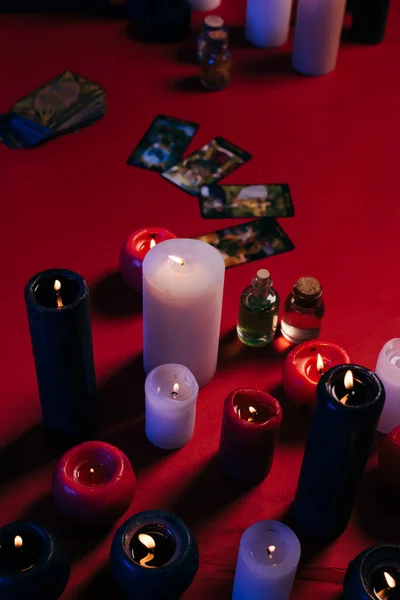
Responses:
[369,20]
[57,303]
[154,555]
[160,20]
[349,401]
[374,575]
[34,563]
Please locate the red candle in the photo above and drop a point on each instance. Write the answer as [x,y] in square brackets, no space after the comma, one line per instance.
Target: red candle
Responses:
[135,249]
[304,366]
[250,427]
[94,483]
[389,460]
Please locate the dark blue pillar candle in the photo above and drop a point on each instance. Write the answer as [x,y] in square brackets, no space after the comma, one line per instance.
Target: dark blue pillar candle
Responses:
[160,20]
[374,574]
[34,563]
[154,556]
[59,323]
[337,449]
[369,20]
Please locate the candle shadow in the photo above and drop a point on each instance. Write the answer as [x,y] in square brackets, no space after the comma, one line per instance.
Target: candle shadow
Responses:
[195,504]
[274,63]
[376,509]
[190,83]
[295,422]
[112,298]
[102,585]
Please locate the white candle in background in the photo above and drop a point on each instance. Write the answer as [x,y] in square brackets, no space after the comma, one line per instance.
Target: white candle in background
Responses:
[183,283]
[269,553]
[317,35]
[267,22]
[171,393]
[388,370]
[204,5]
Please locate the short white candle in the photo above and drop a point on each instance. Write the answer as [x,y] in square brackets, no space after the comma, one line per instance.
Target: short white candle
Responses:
[317,35]
[171,393]
[204,5]
[267,22]
[388,371]
[269,553]
[183,283]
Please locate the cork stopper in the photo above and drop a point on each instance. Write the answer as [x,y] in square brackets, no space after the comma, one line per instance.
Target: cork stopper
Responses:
[262,279]
[263,274]
[308,287]
[213,22]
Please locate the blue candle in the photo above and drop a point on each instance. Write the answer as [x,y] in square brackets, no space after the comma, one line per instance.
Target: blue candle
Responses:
[33,563]
[154,555]
[349,401]
[57,303]
[374,574]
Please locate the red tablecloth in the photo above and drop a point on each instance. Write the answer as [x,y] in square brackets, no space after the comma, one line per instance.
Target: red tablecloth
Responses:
[72,202]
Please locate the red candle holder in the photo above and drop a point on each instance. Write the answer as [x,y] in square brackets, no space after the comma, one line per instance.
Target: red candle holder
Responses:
[93,483]
[302,369]
[389,460]
[250,428]
[135,249]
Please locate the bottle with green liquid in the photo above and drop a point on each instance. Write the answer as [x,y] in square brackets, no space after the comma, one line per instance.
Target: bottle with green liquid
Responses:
[258,311]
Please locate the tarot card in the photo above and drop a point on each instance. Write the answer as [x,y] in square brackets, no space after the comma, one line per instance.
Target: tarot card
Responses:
[232,201]
[250,241]
[163,144]
[207,165]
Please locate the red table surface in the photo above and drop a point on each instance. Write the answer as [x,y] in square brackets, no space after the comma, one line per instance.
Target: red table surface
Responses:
[72,202]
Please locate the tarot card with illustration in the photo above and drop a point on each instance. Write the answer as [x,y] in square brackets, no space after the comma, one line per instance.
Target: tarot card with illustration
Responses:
[233,201]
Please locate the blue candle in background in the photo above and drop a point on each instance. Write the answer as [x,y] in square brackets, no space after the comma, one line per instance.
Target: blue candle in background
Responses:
[57,303]
[374,574]
[34,563]
[154,556]
[349,401]
[160,20]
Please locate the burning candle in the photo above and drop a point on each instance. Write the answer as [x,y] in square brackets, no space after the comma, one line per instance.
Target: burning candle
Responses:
[304,367]
[183,284]
[156,553]
[250,428]
[93,483]
[135,249]
[349,401]
[57,303]
[388,370]
[269,553]
[267,23]
[171,394]
[374,574]
[34,563]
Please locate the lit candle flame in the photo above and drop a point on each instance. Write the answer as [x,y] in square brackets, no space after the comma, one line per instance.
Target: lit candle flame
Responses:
[271,550]
[18,543]
[348,384]
[177,259]
[91,471]
[253,412]
[57,285]
[389,580]
[175,389]
[57,288]
[152,243]
[320,364]
[150,544]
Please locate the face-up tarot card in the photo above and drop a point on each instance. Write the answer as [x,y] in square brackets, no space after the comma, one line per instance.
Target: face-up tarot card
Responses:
[232,201]
[163,144]
[250,241]
[207,165]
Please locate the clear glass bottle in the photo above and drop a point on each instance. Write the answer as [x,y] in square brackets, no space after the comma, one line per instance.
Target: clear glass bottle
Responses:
[216,64]
[303,311]
[211,23]
[258,311]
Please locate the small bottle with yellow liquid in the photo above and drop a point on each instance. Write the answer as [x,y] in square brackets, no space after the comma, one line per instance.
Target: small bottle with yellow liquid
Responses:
[258,311]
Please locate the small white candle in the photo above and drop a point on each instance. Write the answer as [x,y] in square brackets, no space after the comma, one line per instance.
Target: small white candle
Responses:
[204,5]
[267,22]
[317,35]
[269,553]
[171,392]
[388,370]
[183,283]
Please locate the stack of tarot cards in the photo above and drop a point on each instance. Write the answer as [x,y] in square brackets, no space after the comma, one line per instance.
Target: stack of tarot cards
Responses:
[65,104]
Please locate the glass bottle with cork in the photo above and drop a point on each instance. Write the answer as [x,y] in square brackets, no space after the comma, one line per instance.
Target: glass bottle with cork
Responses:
[211,23]
[216,63]
[258,311]
[303,311]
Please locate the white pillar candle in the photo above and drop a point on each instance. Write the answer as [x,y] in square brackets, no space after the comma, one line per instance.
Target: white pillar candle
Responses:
[388,370]
[204,5]
[267,22]
[317,35]
[171,392]
[183,283]
[269,553]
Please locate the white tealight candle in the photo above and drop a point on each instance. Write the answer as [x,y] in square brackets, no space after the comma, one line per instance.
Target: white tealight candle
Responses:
[183,283]
[269,553]
[171,393]
[388,370]
[267,22]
